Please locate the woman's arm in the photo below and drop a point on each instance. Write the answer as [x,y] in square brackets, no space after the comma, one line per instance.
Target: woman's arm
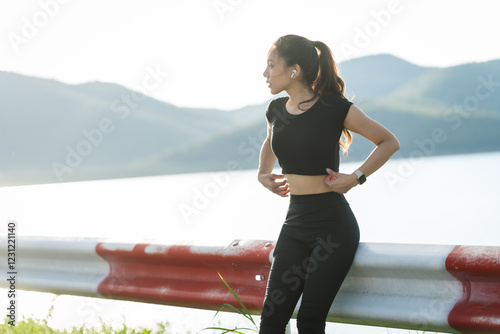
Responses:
[358,122]
[267,160]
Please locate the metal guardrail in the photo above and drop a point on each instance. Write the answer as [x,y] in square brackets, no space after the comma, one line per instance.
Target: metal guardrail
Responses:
[442,288]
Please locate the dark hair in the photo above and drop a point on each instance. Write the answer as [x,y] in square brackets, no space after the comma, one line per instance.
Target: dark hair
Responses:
[319,71]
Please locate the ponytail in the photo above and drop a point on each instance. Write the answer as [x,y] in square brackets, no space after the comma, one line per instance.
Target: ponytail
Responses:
[329,81]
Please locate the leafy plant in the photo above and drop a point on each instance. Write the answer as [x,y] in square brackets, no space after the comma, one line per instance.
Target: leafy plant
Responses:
[243,311]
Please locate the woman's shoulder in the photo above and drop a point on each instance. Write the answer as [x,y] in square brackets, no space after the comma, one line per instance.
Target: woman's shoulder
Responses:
[275,105]
[336,99]
[278,100]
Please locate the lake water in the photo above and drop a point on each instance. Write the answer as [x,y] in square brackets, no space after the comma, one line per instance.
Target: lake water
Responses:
[435,200]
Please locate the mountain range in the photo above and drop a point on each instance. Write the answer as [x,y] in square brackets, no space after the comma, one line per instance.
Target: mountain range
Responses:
[56,132]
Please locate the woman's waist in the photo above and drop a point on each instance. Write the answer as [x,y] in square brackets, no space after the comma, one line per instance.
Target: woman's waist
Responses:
[321,207]
[311,191]
[307,184]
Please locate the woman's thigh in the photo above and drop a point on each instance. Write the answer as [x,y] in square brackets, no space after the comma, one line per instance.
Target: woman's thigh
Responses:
[286,280]
[331,258]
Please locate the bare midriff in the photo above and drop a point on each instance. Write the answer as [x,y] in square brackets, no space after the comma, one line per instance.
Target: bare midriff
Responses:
[307,184]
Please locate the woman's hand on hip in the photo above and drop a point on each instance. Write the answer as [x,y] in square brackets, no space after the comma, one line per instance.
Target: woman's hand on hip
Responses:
[339,182]
[270,182]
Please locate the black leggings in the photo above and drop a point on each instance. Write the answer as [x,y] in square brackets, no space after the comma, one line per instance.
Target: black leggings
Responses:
[313,254]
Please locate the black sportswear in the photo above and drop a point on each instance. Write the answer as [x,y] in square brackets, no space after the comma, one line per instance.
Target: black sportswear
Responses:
[308,143]
[313,254]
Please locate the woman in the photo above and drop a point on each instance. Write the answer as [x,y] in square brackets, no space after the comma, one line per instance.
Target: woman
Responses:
[320,235]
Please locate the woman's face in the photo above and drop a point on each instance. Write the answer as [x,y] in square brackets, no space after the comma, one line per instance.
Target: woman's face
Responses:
[278,77]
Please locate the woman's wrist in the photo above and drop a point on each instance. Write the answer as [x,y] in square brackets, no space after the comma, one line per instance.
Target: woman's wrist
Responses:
[355,180]
[261,174]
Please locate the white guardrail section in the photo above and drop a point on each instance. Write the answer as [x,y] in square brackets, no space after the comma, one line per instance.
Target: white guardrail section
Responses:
[398,285]
[442,288]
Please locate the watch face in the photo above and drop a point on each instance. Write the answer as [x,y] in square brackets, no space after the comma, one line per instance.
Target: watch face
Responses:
[362,179]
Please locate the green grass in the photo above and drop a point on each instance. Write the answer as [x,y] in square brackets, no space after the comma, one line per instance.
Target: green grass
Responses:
[243,311]
[40,326]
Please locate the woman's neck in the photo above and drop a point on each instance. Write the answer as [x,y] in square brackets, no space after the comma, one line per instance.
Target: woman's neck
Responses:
[299,94]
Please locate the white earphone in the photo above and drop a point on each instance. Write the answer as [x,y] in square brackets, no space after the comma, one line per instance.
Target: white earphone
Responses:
[293,73]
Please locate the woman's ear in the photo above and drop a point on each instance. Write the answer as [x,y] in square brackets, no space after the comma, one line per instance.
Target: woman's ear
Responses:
[294,71]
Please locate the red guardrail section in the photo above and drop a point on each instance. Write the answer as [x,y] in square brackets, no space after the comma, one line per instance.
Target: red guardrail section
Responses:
[478,268]
[187,275]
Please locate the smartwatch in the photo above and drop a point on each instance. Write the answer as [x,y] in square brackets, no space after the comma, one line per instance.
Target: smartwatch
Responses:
[360,175]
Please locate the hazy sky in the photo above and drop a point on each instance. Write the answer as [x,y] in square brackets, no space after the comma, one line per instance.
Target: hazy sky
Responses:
[212,53]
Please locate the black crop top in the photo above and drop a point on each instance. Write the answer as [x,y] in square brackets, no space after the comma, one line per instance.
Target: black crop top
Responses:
[308,143]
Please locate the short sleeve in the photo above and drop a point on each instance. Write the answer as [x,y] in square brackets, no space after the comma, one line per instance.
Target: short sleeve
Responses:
[346,105]
[270,115]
